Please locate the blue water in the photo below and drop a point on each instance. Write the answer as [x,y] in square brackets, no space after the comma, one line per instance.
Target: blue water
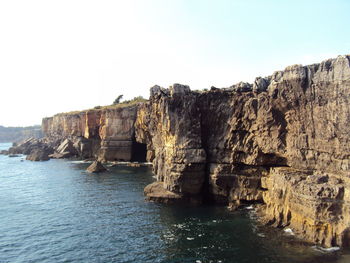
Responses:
[55,212]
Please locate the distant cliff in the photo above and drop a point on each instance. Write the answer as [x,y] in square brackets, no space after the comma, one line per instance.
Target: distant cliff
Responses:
[16,134]
[282,142]
[106,134]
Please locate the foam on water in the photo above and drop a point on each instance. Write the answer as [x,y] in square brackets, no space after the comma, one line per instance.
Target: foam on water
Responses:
[289,231]
[80,161]
[326,249]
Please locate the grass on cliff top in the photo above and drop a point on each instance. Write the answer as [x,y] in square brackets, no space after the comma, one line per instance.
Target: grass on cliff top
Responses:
[124,104]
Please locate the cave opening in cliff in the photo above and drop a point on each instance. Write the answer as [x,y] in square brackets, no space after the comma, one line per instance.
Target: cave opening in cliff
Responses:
[139,152]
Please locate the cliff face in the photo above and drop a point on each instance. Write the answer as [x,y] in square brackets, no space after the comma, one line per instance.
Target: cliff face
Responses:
[170,126]
[282,141]
[107,134]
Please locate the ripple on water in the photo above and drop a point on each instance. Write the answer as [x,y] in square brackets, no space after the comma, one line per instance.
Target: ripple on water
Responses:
[55,212]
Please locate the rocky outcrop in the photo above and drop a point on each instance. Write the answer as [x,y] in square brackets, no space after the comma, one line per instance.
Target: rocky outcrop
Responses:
[314,204]
[96,167]
[39,154]
[170,125]
[106,134]
[282,141]
[31,145]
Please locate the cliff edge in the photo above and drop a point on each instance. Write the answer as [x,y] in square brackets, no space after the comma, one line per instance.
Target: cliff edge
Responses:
[282,141]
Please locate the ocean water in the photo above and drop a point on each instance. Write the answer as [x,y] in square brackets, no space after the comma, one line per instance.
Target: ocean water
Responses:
[56,212]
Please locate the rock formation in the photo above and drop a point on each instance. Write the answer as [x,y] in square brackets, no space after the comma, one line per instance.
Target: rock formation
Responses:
[106,134]
[41,154]
[96,167]
[282,141]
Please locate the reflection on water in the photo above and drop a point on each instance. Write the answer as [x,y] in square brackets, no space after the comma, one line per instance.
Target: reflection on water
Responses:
[56,212]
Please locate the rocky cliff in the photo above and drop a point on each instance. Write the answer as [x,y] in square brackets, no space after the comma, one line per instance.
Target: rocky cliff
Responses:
[282,141]
[106,134]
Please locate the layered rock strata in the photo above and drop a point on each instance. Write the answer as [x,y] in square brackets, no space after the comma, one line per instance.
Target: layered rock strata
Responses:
[106,134]
[282,141]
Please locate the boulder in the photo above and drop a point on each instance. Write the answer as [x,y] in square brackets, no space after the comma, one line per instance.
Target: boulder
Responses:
[60,155]
[96,167]
[157,193]
[40,154]
[66,149]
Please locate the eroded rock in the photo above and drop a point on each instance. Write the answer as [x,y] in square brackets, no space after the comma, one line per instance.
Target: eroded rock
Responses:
[40,154]
[283,141]
[96,167]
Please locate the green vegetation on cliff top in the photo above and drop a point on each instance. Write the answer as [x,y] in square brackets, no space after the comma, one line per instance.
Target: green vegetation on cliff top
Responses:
[123,104]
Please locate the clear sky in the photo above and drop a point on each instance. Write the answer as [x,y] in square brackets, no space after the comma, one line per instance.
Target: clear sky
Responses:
[58,56]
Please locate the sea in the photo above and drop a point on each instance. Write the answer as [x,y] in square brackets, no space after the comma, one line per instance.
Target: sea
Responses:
[55,211]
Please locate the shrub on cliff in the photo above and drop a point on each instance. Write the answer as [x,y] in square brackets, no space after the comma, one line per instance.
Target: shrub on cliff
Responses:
[118,99]
[135,100]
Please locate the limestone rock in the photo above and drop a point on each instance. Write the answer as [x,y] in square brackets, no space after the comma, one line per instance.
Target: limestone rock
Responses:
[283,141]
[261,84]
[157,193]
[66,147]
[40,154]
[314,204]
[62,155]
[106,134]
[170,126]
[96,167]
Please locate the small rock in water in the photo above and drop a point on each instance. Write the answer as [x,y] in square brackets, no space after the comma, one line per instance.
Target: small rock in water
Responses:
[39,154]
[96,167]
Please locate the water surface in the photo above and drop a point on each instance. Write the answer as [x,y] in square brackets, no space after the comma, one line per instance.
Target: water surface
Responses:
[56,212]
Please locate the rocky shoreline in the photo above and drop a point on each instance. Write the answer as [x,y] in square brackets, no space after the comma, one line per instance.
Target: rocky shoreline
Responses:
[281,142]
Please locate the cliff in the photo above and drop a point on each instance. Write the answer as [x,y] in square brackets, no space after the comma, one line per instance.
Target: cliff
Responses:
[106,134]
[282,141]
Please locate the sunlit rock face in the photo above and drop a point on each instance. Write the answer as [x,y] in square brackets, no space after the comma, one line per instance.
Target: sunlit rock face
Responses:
[282,141]
[170,125]
[106,134]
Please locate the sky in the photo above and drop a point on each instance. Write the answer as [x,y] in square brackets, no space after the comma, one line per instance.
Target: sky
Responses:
[59,56]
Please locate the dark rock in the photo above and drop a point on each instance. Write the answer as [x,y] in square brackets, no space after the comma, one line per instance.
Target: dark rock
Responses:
[39,155]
